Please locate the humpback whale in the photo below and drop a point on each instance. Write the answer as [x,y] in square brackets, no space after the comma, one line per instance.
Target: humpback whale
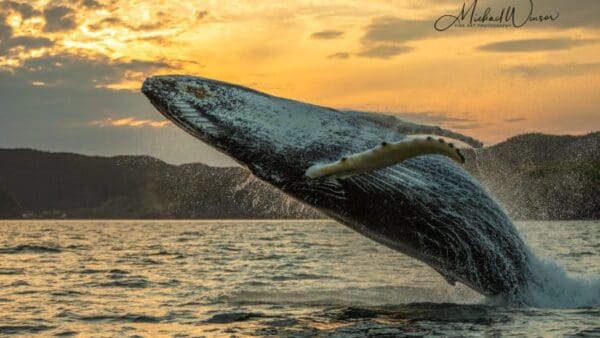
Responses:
[413,197]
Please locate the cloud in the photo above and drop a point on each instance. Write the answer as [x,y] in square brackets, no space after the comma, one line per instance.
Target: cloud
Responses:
[24,41]
[147,26]
[6,30]
[327,35]
[106,22]
[391,29]
[8,41]
[130,122]
[535,45]
[386,36]
[340,55]
[117,22]
[59,18]
[555,70]
[91,4]
[383,51]
[75,71]
[25,10]
[582,13]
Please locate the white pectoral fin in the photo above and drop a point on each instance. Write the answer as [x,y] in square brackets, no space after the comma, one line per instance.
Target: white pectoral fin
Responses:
[384,155]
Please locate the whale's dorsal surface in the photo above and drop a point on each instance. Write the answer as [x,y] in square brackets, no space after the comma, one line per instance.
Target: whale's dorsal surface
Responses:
[425,206]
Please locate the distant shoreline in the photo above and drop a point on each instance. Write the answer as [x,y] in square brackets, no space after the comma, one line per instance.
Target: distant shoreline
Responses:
[182,220]
[212,221]
[533,176]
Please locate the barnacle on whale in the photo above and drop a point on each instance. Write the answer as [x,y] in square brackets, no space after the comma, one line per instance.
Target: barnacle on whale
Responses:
[198,92]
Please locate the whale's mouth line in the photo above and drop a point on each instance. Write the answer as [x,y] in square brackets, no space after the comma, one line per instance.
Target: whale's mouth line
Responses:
[181,124]
[172,111]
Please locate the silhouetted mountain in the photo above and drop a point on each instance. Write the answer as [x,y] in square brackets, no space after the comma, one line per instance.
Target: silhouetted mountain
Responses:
[9,208]
[76,186]
[538,176]
[534,176]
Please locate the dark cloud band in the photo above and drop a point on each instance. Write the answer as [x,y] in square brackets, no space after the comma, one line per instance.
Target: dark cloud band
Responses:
[534,45]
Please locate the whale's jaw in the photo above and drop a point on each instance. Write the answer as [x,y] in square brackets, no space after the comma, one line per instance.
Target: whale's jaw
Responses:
[426,207]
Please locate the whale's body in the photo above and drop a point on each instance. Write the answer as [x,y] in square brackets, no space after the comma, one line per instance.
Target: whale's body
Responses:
[427,207]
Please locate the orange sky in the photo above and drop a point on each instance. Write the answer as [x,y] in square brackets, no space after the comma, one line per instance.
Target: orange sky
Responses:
[489,83]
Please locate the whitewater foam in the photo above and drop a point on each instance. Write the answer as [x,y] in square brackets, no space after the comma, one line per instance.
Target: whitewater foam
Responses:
[553,287]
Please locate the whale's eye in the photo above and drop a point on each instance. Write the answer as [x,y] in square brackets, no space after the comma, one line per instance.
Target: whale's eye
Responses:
[198,92]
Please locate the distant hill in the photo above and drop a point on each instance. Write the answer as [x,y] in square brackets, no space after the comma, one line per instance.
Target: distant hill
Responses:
[9,208]
[534,176]
[55,185]
[537,176]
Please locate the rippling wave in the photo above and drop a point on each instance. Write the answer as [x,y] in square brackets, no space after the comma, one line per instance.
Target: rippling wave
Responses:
[28,248]
[143,278]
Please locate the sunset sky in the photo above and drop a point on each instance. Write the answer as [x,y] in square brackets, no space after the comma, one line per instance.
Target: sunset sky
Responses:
[70,71]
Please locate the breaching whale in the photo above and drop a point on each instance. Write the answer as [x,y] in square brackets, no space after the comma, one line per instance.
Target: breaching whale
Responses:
[413,198]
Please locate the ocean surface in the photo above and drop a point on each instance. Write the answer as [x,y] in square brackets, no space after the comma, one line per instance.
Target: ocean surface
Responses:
[267,278]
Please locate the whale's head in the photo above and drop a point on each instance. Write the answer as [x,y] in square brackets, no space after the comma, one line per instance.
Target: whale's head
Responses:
[275,138]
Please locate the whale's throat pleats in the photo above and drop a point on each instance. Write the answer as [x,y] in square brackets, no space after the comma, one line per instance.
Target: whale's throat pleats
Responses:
[384,155]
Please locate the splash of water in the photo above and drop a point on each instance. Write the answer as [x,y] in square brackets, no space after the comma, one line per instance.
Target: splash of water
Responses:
[552,286]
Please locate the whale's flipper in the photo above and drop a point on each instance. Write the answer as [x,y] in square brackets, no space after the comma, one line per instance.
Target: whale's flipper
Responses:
[385,155]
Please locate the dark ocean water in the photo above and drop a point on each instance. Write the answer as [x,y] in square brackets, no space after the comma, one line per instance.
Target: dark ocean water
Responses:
[257,278]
